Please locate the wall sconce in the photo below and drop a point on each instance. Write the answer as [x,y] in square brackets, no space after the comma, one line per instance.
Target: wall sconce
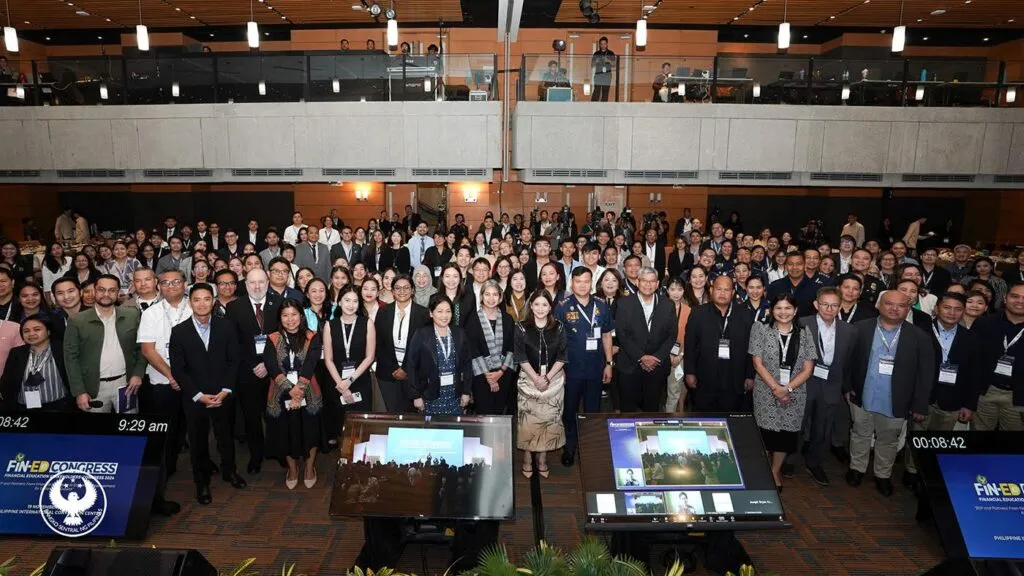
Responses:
[919,93]
[846,92]
[362,194]
[654,198]
[471,194]
[757,90]
[541,198]
[586,87]
[1011,94]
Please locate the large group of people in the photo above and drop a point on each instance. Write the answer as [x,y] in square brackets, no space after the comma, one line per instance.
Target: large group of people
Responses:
[835,346]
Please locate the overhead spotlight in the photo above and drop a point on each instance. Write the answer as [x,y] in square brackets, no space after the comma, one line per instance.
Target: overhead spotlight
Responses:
[595,18]
[389,13]
[586,8]
[641,33]
[558,45]
[374,9]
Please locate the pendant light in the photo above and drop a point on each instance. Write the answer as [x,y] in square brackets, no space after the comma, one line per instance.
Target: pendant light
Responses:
[336,86]
[426,84]
[784,28]
[919,93]
[104,93]
[392,34]
[252,30]
[757,90]
[175,89]
[846,92]
[141,33]
[641,32]
[1011,94]
[10,34]
[586,87]
[899,33]
[681,89]
[262,88]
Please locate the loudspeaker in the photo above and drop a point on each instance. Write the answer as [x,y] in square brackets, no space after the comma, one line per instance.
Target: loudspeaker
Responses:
[126,562]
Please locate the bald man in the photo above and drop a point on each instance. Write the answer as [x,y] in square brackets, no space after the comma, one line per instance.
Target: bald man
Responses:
[254,316]
[892,375]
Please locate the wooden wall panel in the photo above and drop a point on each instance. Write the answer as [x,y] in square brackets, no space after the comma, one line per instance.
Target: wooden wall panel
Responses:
[1010,220]
[316,201]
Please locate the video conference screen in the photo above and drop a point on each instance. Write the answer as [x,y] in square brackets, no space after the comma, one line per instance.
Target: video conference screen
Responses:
[702,472]
[425,467]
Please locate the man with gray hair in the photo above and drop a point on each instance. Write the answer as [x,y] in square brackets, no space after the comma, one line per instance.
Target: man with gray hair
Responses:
[646,328]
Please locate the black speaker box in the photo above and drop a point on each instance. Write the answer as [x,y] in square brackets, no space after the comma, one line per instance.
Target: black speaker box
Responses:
[126,562]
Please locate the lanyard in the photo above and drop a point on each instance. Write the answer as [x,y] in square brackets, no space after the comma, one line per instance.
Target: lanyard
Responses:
[178,315]
[38,362]
[515,306]
[589,319]
[346,338]
[945,348]
[850,315]
[654,306]
[401,322]
[784,341]
[928,278]
[291,354]
[1007,345]
[895,338]
[445,342]
[725,325]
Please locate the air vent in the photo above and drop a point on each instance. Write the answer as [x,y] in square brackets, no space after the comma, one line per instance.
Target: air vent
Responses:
[844,177]
[266,172]
[449,172]
[661,174]
[353,172]
[19,174]
[563,173]
[179,173]
[755,175]
[958,178]
[1009,179]
[90,173]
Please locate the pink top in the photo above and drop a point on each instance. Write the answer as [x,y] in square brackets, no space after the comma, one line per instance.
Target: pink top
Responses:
[10,336]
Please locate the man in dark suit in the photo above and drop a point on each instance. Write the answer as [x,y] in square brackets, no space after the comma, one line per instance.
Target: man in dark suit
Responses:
[314,255]
[541,256]
[796,283]
[715,361]
[835,341]
[254,317]
[170,227]
[231,246]
[654,251]
[646,328]
[396,323]
[347,249]
[680,261]
[852,308]
[253,236]
[204,355]
[891,380]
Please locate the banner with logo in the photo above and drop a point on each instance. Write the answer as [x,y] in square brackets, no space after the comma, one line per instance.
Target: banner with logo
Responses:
[987,492]
[69,485]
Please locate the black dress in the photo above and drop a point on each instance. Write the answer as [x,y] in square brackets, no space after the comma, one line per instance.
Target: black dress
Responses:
[342,358]
[485,401]
[293,433]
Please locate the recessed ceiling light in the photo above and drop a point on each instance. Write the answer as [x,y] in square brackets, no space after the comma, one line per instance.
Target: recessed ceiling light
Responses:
[177,9]
[920,19]
[832,17]
[266,33]
[967,1]
[283,18]
[925,38]
[99,37]
[108,19]
[938,12]
[192,17]
[47,37]
[751,9]
[746,35]
[27,22]
[984,39]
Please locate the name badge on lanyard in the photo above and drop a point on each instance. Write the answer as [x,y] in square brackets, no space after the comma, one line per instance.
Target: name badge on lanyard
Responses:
[676,349]
[260,342]
[947,373]
[785,373]
[348,369]
[437,270]
[821,371]
[447,378]
[885,365]
[1004,366]
[595,331]
[723,349]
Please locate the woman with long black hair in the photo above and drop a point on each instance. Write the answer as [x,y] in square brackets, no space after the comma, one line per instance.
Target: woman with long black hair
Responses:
[55,265]
[491,337]
[350,341]
[439,363]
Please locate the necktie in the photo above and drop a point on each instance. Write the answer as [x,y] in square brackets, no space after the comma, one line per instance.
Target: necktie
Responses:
[423,247]
[316,257]
[144,305]
[259,315]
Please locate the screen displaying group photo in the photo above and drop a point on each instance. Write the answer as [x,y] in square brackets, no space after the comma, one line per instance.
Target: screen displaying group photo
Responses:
[434,467]
[686,453]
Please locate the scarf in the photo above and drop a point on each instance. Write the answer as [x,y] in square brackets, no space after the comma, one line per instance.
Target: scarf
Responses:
[495,339]
[281,386]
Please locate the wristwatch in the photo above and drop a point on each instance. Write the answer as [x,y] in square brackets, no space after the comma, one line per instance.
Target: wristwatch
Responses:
[609,363]
[788,389]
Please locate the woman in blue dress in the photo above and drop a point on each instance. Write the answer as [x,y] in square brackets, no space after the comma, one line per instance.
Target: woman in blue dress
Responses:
[439,363]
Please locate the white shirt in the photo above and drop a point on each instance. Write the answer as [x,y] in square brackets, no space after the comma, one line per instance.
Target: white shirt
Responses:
[111,355]
[476,292]
[155,328]
[400,331]
[263,306]
[648,308]
[254,237]
[827,335]
[329,237]
[291,234]
[652,251]
[50,277]
[596,277]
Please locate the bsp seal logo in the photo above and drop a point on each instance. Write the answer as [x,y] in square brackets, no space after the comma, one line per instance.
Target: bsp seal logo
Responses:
[72,503]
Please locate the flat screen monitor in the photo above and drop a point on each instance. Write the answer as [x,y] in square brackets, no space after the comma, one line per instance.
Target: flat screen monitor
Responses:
[413,466]
[974,482]
[79,475]
[699,472]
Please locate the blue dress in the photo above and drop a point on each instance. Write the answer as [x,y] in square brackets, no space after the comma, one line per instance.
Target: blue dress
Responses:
[448,402]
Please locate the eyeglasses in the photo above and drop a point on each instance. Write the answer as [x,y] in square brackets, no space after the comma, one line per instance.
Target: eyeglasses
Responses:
[828,306]
[106,290]
[402,288]
[227,283]
[278,271]
[176,282]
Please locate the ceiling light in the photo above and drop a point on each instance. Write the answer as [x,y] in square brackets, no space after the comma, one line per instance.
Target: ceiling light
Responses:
[266,33]
[177,9]
[426,85]
[47,37]
[175,90]
[899,34]
[392,33]
[925,38]
[984,39]
[784,33]
[192,17]
[681,89]
[805,36]
[283,18]
[1010,20]
[735,18]
[389,13]
[920,19]
[938,12]
[99,37]
[27,22]
[252,34]
[108,19]
[746,35]
[751,9]
[1011,94]
[10,39]
[967,1]
[374,10]
[832,17]
[142,37]
[586,8]
[211,34]
[641,33]
[262,88]
[335,85]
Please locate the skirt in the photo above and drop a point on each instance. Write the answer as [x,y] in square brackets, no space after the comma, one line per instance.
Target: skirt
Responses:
[780,441]
[294,433]
[447,404]
[539,417]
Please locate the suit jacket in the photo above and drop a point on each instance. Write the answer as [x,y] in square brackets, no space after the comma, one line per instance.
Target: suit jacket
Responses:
[531,269]
[636,340]
[424,381]
[201,370]
[700,356]
[83,342]
[387,362]
[241,313]
[839,369]
[938,280]
[965,354]
[321,267]
[225,252]
[659,258]
[393,258]
[677,267]
[338,251]
[913,372]
[266,255]
[433,259]
[14,372]
[260,242]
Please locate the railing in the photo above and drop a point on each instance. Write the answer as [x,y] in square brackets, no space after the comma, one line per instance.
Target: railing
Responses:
[742,79]
[243,77]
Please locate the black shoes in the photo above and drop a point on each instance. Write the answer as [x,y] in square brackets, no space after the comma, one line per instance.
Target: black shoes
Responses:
[203,495]
[163,507]
[568,459]
[253,469]
[818,475]
[884,486]
[841,454]
[854,478]
[787,470]
[911,480]
[235,480]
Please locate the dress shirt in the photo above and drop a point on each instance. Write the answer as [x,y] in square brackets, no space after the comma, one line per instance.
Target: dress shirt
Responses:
[844,264]
[254,238]
[346,250]
[203,330]
[856,230]
[52,388]
[567,268]
[652,252]
[595,277]
[263,307]
[877,386]
[827,337]
[111,356]
[329,237]
[291,234]
[648,308]
[400,329]
[155,328]
[417,248]
[945,338]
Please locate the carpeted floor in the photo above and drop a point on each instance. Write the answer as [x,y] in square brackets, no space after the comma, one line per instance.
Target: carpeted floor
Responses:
[836,530]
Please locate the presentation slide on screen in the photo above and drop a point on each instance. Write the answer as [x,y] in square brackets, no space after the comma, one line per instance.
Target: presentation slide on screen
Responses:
[987,492]
[68,485]
[685,453]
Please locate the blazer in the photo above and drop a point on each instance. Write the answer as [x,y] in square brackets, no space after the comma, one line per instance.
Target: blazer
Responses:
[434,259]
[304,259]
[397,258]
[424,381]
[338,251]
[531,269]
[83,342]
[266,255]
[700,356]
[226,253]
[478,340]
[677,268]
[966,355]
[636,340]
[14,372]
[913,372]
[659,257]
[202,370]
[242,315]
[387,361]
[839,369]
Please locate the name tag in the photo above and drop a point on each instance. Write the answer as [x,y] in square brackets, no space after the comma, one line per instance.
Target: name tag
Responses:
[591,344]
[885,366]
[723,349]
[437,270]
[33,399]
[1004,367]
[676,349]
[400,354]
[597,332]
[784,375]
[347,370]
[447,379]
[544,370]
[679,371]
[821,371]
[167,350]
[947,373]
[260,342]
[292,377]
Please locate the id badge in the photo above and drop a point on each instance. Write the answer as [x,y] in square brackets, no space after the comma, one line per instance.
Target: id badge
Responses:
[1004,367]
[400,354]
[885,366]
[347,370]
[292,377]
[785,373]
[591,344]
[676,349]
[723,349]
[447,379]
[947,373]
[544,370]
[33,399]
[437,270]
[260,342]
[820,371]
[597,332]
